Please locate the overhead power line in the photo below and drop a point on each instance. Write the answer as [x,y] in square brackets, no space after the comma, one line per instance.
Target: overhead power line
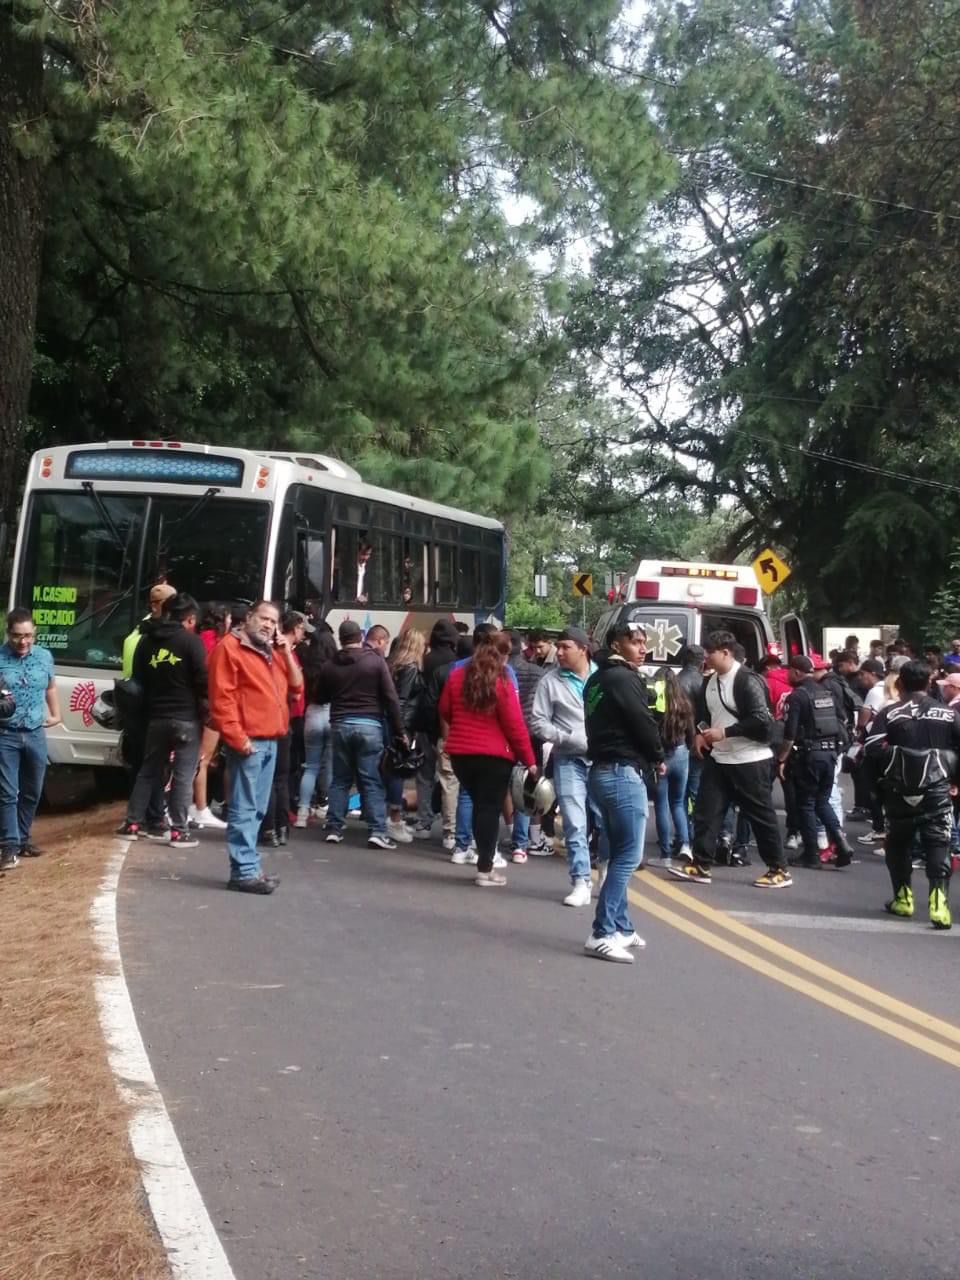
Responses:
[886,472]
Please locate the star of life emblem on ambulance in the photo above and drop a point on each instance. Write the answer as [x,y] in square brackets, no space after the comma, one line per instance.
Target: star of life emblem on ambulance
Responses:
[664,639]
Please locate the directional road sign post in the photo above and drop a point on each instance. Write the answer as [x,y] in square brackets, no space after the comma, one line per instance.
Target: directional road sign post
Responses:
[583,584]
[771,571]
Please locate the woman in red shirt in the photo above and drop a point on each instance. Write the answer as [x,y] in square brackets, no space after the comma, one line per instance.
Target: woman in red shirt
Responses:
[484,734]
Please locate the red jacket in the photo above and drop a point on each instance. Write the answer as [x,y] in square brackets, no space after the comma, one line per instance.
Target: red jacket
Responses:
[497,732]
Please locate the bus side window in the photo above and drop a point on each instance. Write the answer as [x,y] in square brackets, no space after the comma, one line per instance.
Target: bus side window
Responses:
[445,565]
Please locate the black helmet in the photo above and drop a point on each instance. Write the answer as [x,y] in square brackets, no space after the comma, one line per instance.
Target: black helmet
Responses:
[403,761]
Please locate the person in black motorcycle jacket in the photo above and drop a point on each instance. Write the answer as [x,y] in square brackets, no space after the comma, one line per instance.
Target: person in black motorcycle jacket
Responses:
[914,750]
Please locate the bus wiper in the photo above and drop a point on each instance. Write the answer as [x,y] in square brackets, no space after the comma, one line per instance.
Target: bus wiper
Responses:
[185,519]
[105,515]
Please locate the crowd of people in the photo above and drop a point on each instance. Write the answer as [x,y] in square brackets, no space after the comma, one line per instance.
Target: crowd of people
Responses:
[507,745]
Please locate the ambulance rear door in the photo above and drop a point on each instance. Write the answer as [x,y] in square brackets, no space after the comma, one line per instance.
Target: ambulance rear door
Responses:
[793,636]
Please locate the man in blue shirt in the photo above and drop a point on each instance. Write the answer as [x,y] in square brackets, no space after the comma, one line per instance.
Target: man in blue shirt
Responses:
[26,669]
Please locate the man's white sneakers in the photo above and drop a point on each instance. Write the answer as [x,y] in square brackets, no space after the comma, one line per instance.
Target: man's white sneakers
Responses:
[608,949]
[399,831]
[579,895]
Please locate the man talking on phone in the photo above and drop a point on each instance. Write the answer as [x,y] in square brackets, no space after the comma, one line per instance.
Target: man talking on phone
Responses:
[252,674]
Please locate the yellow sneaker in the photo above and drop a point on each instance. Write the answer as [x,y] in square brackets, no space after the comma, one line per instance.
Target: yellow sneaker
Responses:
[940,909]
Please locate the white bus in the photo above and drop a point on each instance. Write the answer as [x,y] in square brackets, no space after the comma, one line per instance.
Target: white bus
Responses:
[101,523]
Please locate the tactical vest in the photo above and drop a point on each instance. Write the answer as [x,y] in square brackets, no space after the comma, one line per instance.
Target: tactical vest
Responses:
[826,722]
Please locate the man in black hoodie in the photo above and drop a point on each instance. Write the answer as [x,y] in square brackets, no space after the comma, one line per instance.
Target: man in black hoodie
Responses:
[361,693]
[623,742]
[170,666]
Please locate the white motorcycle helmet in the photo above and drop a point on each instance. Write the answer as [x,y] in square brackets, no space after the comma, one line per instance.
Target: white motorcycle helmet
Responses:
[534,796]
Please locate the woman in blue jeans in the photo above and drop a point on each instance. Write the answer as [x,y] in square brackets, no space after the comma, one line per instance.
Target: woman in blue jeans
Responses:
[670,797]
[623,742]
[317,744]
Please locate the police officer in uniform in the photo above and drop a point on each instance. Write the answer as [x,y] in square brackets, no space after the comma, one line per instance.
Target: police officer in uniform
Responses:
[914,749]
[814,734]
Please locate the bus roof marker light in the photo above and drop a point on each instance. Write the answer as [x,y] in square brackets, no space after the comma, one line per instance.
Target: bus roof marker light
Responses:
[154,444]
[138,444]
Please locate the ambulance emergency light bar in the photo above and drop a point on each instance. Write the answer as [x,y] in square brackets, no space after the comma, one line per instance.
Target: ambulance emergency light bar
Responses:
[745,597]
[697,571]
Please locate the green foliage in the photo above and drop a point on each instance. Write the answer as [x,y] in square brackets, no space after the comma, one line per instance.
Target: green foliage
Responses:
[944,617]
[282,224]
[763,318]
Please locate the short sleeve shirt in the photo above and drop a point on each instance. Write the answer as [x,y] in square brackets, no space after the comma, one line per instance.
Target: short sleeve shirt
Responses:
[27,679]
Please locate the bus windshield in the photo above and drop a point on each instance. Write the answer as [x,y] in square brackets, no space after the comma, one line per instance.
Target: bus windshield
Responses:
[90,558]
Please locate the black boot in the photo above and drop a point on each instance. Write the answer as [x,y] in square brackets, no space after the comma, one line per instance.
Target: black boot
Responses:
[844,851]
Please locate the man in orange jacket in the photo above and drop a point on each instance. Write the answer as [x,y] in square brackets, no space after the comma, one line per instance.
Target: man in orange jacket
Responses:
[252,675]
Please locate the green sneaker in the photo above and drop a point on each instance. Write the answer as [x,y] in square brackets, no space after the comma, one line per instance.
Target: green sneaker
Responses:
[901,904]
[939,909]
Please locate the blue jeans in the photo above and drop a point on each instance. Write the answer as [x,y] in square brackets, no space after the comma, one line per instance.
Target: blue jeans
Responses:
[620,794]
[670,801]
[521,829]
[317,763]
[251,781]
[570,776]
[23,763]
[463,835]
[357,748]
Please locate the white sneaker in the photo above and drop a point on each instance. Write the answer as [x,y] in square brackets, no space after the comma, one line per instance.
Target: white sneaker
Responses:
[499,861]
[629,940]
[490,880]
[377,841]
[206,818]
[334,837]
[540,848]
[684,852]
[608,949]
[319,811]
[823,841]
[303,816]
[464,858]
[400,832]
[449,843]
[792,842]
[579,895]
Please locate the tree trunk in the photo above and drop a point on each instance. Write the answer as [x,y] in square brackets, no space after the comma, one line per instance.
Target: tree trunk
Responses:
[21,233]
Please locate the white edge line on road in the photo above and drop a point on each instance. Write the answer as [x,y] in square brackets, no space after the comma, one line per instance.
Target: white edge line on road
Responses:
[189,1237]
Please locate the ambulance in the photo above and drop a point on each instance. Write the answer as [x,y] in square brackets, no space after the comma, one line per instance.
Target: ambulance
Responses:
[680,602]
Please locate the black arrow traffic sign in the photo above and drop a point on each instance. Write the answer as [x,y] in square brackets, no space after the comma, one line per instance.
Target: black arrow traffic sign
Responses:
[770,568]
[583,584]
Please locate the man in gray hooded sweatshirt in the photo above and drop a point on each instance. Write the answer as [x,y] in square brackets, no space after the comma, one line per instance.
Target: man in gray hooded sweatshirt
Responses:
[558,718]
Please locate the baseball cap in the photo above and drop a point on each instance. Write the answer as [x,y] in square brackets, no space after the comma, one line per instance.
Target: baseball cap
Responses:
[800,662]
[297,619]
[819,661]
[350,632]
[577,635]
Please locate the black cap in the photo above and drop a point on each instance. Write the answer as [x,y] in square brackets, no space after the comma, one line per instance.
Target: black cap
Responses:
[800,662]
[577,635]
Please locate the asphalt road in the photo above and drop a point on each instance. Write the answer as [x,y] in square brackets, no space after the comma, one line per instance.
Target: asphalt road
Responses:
[382,1071]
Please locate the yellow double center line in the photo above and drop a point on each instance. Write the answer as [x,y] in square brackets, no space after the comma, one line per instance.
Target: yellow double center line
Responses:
[893,1017]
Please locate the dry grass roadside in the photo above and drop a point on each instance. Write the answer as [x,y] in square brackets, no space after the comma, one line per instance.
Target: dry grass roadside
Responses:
[71,1206]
